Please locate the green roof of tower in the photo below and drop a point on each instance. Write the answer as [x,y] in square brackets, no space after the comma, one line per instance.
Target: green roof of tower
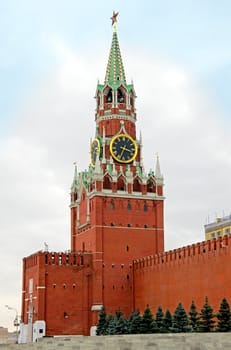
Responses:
[115,70]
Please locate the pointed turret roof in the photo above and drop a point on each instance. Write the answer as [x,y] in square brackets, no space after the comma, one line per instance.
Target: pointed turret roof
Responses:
[115,74]
[158,174]
[74,185]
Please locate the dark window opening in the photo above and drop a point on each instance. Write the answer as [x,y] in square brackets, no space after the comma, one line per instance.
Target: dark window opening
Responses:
[151,186]
[120,96]
[127,248]
[112,205]
[136,185]
[145,207]
[129,207]
[121,184]
[107,183]
[109,96]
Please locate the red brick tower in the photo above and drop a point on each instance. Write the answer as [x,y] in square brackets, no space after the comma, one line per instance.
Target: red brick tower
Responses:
[116,208]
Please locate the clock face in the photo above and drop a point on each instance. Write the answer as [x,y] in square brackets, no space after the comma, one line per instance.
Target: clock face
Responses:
[123,148]
[95,150]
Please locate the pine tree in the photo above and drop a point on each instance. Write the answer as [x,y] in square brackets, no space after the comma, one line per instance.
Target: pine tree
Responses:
[111,325]
[102,322]
[147,322]
[159,320]
[224,317]
[180,320]
[206,323]
[134,322]
[167,322]
[193,317]
[121,325]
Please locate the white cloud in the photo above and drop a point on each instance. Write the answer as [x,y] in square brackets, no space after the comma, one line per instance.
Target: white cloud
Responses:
[53,129]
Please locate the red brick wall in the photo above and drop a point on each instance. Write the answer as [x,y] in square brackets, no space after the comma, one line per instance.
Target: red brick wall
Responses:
[183,275]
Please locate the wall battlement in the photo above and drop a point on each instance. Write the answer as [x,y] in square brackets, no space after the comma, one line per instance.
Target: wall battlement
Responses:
[79,258]
[206,248]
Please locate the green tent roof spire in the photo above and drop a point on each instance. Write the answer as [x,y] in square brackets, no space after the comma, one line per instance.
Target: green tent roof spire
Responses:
[115,70]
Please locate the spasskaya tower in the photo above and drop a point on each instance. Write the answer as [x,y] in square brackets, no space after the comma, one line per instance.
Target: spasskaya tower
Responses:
[116,218]
[116,207]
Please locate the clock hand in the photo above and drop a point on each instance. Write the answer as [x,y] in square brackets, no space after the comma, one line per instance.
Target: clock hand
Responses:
[125,149]
[122,152]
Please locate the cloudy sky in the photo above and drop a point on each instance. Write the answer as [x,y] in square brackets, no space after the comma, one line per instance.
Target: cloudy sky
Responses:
[52,53]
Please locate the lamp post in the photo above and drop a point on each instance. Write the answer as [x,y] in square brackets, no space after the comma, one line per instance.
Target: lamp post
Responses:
[16,320]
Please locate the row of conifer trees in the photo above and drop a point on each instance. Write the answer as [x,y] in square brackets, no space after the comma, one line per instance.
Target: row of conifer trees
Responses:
[179,322]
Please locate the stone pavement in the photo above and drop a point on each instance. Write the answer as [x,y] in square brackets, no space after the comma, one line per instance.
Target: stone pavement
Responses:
[194,341]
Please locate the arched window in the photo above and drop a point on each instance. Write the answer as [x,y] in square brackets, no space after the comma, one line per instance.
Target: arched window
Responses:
[121,184]
[129,207]
[151,186]
[136,185]
[145,207]
[106,183]
[109,96]
[112,204]
[120,96]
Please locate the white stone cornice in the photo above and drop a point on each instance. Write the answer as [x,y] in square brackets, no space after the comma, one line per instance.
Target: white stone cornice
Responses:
[116,116]
[123,194]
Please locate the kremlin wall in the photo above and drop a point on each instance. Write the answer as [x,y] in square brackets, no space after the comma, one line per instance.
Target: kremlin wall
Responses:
[184,274]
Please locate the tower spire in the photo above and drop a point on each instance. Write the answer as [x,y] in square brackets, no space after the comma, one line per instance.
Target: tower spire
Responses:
[115,70]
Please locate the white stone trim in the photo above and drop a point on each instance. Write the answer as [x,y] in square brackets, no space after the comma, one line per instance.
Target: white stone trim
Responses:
[96,307]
